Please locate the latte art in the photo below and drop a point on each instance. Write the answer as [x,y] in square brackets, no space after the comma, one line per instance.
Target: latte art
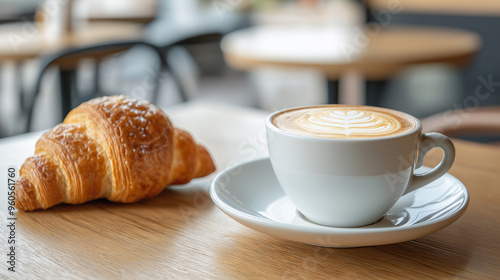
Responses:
[348,123]
[344,122]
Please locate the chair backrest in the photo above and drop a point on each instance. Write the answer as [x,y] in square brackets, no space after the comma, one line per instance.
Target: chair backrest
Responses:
[442,7]
[465,122]
[70,58]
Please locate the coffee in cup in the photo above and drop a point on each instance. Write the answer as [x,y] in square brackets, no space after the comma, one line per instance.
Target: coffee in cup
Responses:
[346,166]
[344,122]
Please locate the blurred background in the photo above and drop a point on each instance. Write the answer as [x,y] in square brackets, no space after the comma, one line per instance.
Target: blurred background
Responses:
[266,54]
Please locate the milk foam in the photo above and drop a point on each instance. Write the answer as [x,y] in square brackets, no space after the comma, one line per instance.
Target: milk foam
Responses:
[339,121]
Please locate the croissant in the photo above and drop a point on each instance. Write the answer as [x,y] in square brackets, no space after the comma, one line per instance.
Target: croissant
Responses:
[113,147]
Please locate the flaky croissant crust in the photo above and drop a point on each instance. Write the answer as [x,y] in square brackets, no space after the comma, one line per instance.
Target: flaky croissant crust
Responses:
[114,147]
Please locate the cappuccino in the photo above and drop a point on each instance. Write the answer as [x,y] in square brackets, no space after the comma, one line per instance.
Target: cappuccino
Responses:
[344,121]
[345,165]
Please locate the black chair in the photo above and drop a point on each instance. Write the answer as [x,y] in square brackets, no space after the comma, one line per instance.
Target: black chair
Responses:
[68,60]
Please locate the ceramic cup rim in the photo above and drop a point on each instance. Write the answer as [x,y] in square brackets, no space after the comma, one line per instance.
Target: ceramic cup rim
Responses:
[275,129]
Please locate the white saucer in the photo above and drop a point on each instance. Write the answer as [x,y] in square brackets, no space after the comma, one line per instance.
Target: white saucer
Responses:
[250,194]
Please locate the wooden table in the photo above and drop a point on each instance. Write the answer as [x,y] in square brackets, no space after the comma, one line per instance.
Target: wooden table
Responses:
[377,56]
[447,7]
[181,234]
[24,40]
[143,11]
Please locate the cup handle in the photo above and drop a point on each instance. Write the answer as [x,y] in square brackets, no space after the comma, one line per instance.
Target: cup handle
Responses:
[429,141]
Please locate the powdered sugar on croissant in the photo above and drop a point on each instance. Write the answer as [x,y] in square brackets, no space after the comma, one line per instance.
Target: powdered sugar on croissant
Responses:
[114,147]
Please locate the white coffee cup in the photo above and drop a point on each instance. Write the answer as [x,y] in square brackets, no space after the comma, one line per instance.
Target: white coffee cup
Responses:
[352,182]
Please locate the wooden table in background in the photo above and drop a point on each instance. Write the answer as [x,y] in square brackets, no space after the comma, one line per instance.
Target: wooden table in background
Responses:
[143,11]
[378,56]
[137,11]
[181,234]
[445,7]
[24,40]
